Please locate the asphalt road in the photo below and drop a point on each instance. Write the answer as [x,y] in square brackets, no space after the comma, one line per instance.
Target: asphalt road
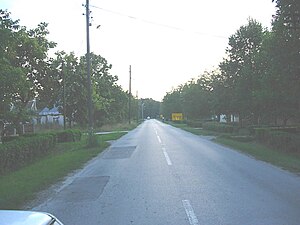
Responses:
[158,174]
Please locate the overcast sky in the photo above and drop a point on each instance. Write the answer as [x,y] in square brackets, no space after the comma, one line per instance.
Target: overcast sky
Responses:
[167,42]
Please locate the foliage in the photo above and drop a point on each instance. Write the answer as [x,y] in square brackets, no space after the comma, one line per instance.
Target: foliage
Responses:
[219,127]
[280,140]
[23,151]
[16,191]
[23,60]
[258,80]
[92,141]
[172,103]
[151,108]
[194,123]
[68,135]
[27,72]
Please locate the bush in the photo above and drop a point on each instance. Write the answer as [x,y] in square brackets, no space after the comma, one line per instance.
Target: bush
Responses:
[92,141]
[219,127]
[70,135]
[22,151]
[283,141]
[6,139]
[242,138]
[261,134]
[194,123]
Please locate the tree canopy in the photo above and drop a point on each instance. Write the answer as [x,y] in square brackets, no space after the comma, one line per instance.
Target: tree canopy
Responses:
[28,72]
[258,79]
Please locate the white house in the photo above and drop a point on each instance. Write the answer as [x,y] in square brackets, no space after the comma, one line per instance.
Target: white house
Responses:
[50,116]
[234,118]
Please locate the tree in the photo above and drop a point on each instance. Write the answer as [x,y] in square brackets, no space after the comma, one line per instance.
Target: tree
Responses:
[172,103]
[284,52]
[239,68]
[22,60]
[196,98]
[151,108]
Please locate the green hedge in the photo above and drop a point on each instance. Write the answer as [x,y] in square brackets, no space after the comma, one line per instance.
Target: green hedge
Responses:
[18,151]
[194,123]
[284,141]
[22,151]
[6,139]
[68,135]
[219,127]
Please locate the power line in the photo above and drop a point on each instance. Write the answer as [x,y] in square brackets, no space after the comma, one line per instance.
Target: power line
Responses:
[157,24]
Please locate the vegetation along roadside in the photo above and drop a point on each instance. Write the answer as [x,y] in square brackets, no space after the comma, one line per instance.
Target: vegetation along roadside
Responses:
[21,185]
[275,147]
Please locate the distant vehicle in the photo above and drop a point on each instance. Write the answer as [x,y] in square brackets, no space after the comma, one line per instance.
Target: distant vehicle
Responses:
[18,217]
[148,118]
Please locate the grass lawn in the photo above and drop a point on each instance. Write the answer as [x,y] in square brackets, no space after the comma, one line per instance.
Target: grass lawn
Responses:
[288,161]
[16,188]
[197,131]
[285,160]
[118,127]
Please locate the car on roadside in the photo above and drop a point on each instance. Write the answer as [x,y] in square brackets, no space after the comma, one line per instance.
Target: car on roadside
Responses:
[19,217]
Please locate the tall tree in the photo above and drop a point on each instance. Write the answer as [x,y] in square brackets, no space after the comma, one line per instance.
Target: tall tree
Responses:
[172,103]
[239,67]
[286,58]
[22,58]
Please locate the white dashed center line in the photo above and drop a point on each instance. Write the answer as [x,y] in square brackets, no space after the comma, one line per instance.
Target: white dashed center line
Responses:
[167,157]
[158,138]
[190,212]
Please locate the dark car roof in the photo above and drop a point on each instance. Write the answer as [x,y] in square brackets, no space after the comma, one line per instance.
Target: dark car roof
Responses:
[17,217]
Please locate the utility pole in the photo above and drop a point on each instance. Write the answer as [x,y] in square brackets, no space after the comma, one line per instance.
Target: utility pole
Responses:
[137,101]
[64,93]
[89,68]
[129,113]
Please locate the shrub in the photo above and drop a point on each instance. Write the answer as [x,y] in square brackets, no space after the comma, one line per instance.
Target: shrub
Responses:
[261,134]
[242,138]
[283,141]
[68,135]
[22,151]
[92,141]
[194,123]
[6,139]
[219,127]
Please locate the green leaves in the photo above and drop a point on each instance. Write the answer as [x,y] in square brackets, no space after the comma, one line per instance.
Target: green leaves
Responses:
[259,79]
[26,72]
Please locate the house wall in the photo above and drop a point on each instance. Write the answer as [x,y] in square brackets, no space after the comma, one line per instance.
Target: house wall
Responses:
[49,119]
[234,118]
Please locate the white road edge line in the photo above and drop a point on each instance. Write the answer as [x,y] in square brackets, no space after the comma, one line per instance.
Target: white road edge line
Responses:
[190,212]
[159,140]
[167,158]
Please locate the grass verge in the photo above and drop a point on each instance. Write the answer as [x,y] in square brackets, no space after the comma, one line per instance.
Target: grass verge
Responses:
[197,131]
[118,127]
[18,187]
[285,160]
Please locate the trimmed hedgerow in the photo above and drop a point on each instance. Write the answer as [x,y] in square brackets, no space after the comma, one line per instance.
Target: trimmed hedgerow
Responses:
[18,151]
[219,127]
[22,151]
[283,141]
[68,135]
[6,139]
[194,123]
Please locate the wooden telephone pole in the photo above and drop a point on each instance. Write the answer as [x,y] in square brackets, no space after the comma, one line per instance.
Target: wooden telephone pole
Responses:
[129,105]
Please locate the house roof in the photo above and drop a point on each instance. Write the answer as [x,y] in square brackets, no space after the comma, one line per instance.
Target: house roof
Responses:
[46,111]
